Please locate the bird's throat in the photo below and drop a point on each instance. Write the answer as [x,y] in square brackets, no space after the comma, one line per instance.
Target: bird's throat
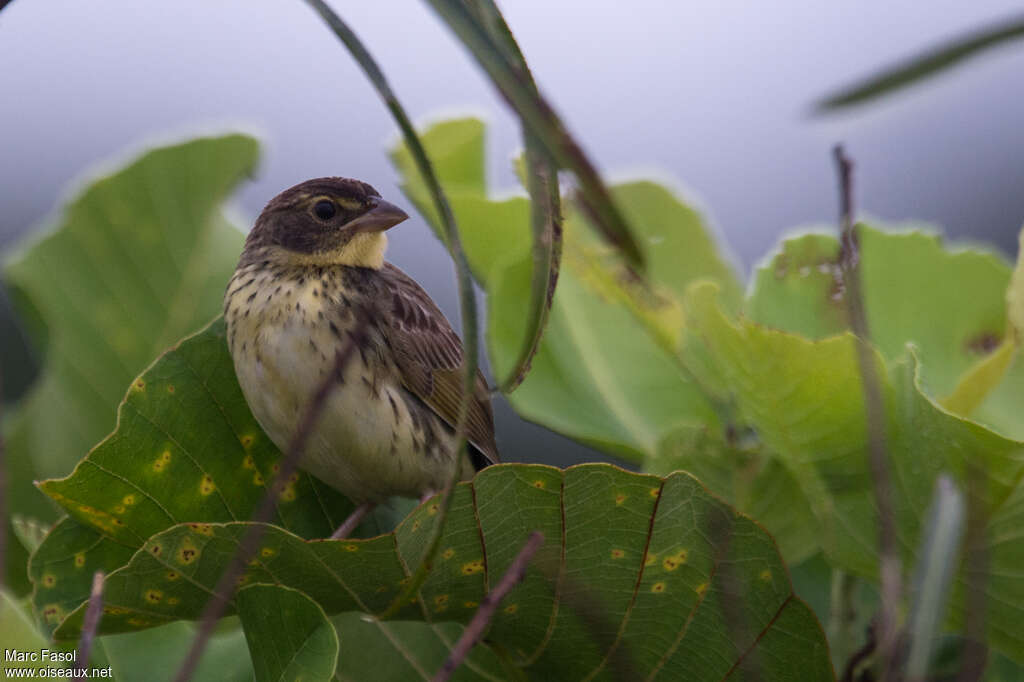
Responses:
[365,250]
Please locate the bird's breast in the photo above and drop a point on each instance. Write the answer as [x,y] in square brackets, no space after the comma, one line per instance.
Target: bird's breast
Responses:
[372,439]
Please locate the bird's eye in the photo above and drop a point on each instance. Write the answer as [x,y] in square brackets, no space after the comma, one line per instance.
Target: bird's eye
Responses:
[325,210]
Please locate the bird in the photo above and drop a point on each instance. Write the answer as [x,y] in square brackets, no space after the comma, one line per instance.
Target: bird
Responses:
[312,278]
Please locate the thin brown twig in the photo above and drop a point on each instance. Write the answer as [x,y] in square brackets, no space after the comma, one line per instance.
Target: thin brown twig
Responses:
[874,409]
[225,588]
[482,618]
[90,625]
[467,300]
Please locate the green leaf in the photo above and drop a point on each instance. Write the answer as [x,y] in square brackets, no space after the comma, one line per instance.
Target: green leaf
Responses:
[406,650]
[154,655]
[621,547]
[925,65]
[605,372]
[749,477]
[638,573]
[20,633]
[288,634]
[950,304]
[1015,293]
[186,448]
[911,284]
[61,569]
[804,400]
[138,259]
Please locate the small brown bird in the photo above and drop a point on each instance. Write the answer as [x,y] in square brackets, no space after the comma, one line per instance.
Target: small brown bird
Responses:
[312,266]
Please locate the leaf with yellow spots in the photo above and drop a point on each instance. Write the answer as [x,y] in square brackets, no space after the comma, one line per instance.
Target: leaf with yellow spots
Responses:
[174,458]
[136,260]
[590,602]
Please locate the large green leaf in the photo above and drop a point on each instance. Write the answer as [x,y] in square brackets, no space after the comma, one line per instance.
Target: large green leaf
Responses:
[605,372]
[951,304]
[288,634]
[948,303]
[138,259]
[804,400]
[639,574]
[20,634]
[186,448]
[154,655]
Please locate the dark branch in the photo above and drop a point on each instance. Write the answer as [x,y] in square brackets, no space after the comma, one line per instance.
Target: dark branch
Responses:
[225,588]
[482,618]
[874,409]
[90,624]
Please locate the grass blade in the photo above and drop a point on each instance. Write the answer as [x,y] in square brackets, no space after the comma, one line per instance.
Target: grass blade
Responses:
[539,118]
[545,202]
[925,65]
[936,566]
[452,240]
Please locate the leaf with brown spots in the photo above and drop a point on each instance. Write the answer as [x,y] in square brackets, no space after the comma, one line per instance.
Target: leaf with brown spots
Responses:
[192,455]
[639,576]
[138,258]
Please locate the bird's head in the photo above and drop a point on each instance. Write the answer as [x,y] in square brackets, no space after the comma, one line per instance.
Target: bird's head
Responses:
[326,221]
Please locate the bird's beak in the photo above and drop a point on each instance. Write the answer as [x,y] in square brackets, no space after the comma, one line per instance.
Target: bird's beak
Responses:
[379,218]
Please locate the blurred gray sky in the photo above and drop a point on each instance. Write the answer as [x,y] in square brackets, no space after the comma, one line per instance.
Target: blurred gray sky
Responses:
[712,95]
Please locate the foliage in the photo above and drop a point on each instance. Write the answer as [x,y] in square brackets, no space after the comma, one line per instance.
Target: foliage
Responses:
[158,506]
[770,401]
[758,395]
[158,220]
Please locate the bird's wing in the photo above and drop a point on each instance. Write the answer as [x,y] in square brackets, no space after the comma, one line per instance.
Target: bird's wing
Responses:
[429,356]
